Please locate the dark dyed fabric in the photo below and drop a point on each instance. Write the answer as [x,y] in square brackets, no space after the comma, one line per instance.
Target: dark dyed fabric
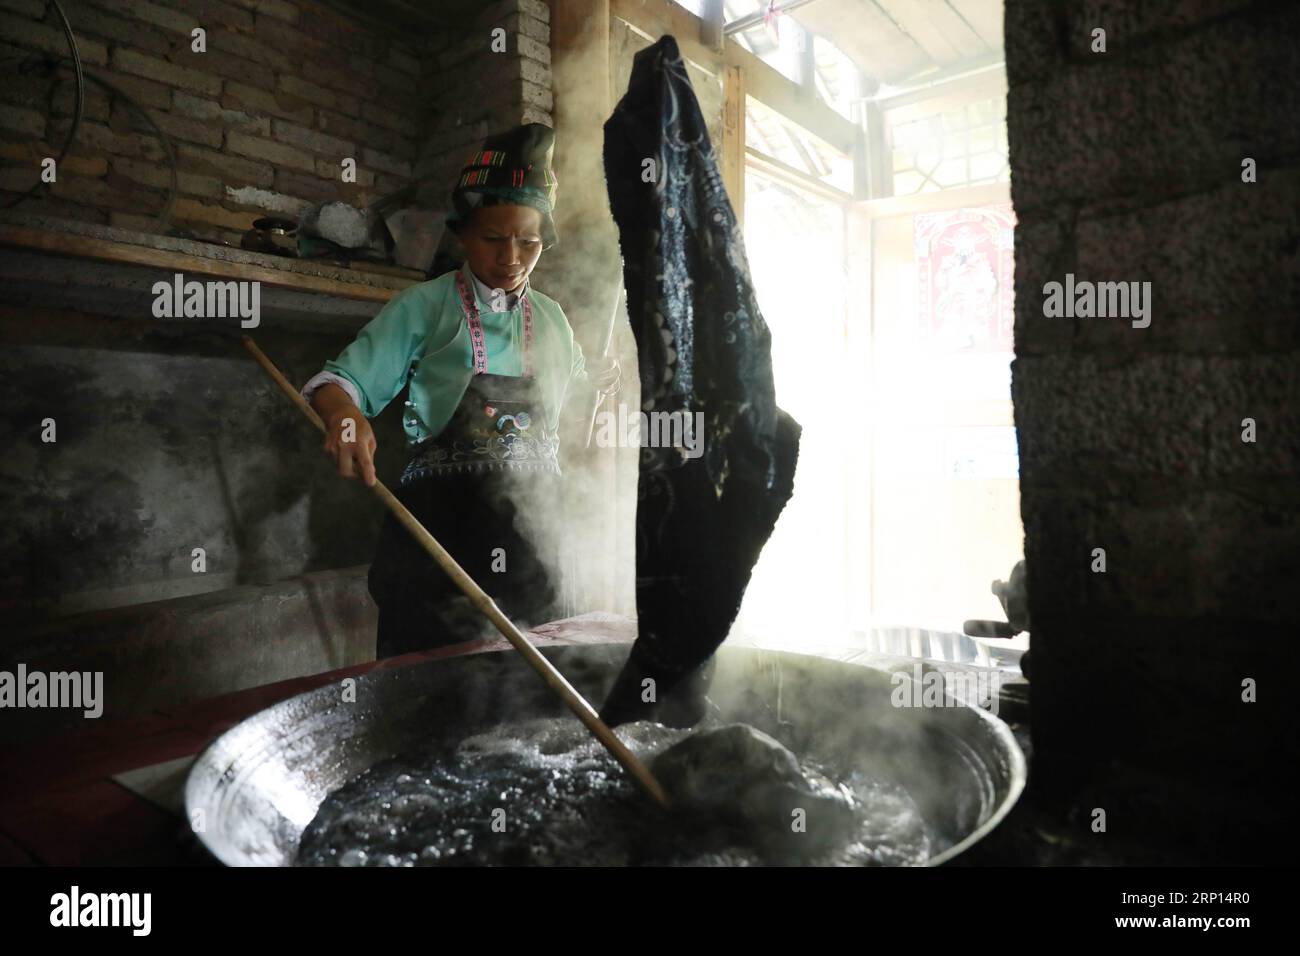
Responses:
[703,347]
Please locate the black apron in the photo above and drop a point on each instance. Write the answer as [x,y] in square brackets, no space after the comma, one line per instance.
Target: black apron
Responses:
[464,486]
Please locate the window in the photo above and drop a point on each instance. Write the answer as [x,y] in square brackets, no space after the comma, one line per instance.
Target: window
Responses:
[964,145]
[778,138]
[780,42]
[838,82]
[795,241]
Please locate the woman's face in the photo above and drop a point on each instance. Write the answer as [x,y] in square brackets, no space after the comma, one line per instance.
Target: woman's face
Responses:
[502,244]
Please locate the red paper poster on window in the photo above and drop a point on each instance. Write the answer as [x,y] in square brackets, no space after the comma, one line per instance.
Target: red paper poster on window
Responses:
[964,263]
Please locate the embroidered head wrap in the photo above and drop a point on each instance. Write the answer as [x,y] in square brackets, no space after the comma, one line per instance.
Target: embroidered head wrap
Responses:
[512,168]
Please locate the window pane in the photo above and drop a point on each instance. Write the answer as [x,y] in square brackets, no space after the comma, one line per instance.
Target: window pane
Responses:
[954,148]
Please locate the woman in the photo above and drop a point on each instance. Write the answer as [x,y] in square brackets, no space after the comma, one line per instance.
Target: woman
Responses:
[489,362]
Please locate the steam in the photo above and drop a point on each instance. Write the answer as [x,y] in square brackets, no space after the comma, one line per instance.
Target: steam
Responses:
[586,530]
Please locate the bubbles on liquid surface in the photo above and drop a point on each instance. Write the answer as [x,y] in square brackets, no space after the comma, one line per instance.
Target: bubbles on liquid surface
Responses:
[544,792]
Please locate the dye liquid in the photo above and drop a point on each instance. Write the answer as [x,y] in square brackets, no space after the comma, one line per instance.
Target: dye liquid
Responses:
[545,793]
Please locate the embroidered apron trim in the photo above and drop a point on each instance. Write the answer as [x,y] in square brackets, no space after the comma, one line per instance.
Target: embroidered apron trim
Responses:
[500,423]
[497,426]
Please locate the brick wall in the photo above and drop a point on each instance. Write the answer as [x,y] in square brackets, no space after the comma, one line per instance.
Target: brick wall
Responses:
[474,91]
[1127,166]
[260,121]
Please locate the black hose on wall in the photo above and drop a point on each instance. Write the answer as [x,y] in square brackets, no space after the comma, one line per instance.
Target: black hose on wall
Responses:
[81,76]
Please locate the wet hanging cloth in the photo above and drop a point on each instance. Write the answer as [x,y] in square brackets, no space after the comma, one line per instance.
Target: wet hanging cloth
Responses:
[704,350]
[462,485]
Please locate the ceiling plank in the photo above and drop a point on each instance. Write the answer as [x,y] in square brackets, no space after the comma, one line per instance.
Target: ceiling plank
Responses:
[867,36]
[958,31]
[984,16]
[937,28]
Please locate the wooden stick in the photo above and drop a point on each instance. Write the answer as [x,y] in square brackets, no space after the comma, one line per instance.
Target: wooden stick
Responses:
[575,701]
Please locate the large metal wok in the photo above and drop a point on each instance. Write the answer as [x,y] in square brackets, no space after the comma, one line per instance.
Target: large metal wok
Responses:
[253,791]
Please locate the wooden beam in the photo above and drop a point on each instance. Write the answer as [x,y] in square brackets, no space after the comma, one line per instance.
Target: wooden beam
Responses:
[985,75]
[584,273]
[773,167]
[861,168]
[658,17]
[982,195]
[107,250]
[877,162]
[655,18]
[580,42]
[733,139]
[771,88]
[583,270]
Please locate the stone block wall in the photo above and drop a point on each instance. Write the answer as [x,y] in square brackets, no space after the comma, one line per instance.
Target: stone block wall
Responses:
[1131,165]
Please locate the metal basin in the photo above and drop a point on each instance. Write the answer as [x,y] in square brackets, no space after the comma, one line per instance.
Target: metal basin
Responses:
[253,791]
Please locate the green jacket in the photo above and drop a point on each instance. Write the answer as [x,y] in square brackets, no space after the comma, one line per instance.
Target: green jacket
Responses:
[422,334]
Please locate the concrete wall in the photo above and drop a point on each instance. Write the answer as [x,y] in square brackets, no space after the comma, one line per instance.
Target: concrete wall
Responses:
[1127,166]
[156,656]
[168,438]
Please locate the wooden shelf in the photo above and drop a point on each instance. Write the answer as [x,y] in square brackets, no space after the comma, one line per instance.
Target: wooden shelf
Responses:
[108,244]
